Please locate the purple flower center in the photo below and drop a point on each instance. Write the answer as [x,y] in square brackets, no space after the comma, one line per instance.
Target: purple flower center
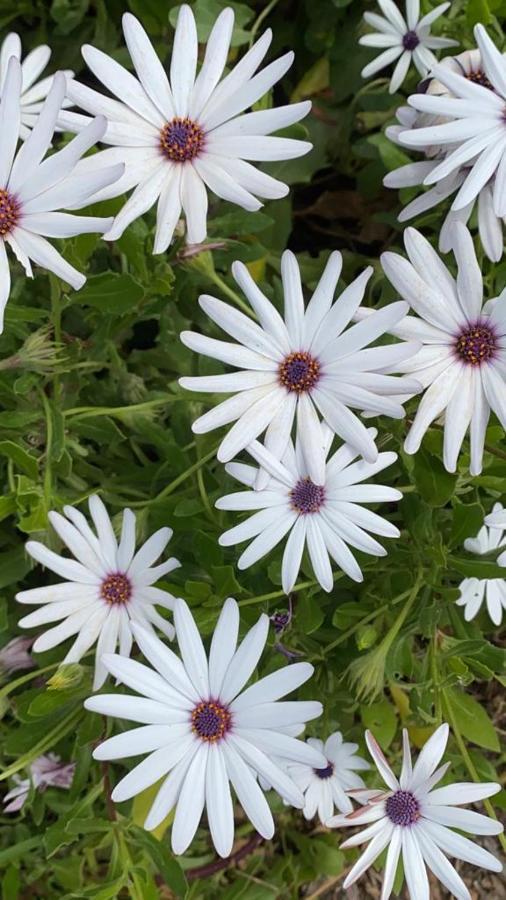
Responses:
[9,212]
[210,721]
[402,808]
[181,140]
[299,372]
[116,588]
[410,40]
[477,344]
[307,497]
[326,772]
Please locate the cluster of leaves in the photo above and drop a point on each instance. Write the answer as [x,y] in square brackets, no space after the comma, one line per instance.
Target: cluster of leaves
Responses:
[89,400]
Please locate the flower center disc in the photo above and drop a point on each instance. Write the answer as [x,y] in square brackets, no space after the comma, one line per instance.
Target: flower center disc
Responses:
[9,212]
[181,140]
[480,78]
[410,40]
[299,372]
[326,772]
[307,497]
[116,589]
[476,345]
[210,721]
[402,808]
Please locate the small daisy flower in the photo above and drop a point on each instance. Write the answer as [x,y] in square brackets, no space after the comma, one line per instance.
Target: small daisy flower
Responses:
[301,365]
[412,818]
[497,518]
[179,139]
[474,591]
[45,771]
[474,127]
[462,363]
[326,517]
[108,585]
[33,92]
[406,39]
[204,731]
[326,788]
[466,65]
[33,189]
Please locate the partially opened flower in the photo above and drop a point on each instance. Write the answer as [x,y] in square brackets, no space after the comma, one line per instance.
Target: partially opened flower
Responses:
[33,188]
[462,363]
[474,129]
[108,585]
[492,591]
[326,518]
[327,787]
[182,137]
[204,731]
[413,819]
[301,365]
[15,655]
[33,92]
[45,771]
[466,65]
[405,39]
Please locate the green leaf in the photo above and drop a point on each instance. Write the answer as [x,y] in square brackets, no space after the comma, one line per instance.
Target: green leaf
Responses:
[380,718]
[472,719]
[166,864]
[20,457]
[111,293]
[477,568]
[435,484]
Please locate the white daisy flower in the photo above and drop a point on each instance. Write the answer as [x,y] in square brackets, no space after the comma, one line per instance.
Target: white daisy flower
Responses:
[327,517]
[108,585]
[325,788]
[181,138]
[33,92]
[413,819]
[462,363]
[497,518]
[300,364]
[406,39]
[474,591]
[475,127]
[490,226]
[202,731]
[33,188]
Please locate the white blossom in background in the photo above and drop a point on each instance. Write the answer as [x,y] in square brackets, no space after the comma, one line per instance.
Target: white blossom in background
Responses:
[204,730]
[473,127]
[183,136]
[33,92]
[34,188]
[108,585]
[327,787]
[326,518]
[491,591]
[466,65]
[416,821]
[45,771]
[406,39]
[301,365]
[462,362]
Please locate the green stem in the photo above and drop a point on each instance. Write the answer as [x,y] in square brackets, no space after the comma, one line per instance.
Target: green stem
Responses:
[24,679]
[231,294]
[261,18]
[135,888]
[85,412]
[56,321]
[468,761]
[438,711]
[390,636]
[365,621]
[48,477]
[180,479]
[49,740]
[301,586]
